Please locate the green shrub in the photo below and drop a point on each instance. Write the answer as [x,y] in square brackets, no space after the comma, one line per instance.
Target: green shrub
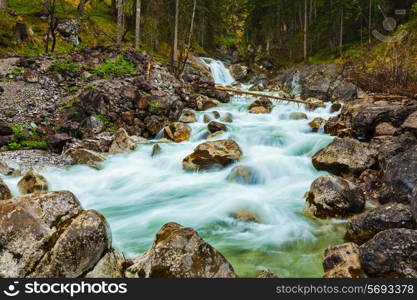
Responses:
[13,146]
[119,66]
[18,71]
[35,144]
[63,65]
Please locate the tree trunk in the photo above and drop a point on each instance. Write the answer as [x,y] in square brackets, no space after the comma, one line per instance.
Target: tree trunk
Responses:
[175,39]
[341,31]
[119,22]
[305,29]
[4,4]
[81,8]
[138,15]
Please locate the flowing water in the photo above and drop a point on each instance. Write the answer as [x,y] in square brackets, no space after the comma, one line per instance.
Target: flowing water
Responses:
[138,194]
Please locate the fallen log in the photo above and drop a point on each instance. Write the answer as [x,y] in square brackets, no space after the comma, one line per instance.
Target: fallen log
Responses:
[311,104]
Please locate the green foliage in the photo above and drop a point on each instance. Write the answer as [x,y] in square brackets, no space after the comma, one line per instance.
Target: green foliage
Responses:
[35,144]
[13,146]
[72,89]
[89,86]
[119,66]
[18,71]
[64,65]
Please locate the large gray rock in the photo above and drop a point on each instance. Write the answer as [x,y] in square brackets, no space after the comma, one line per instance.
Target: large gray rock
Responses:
[243,175]
[49,235]
[363,227]
[345,156]
[4,191]
[122,142]
[391,253]
[213,154]
[85,157]
[181,253]
[334,197]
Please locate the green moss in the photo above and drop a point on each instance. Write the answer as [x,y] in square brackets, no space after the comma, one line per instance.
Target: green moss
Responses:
[63,65]
[119,66]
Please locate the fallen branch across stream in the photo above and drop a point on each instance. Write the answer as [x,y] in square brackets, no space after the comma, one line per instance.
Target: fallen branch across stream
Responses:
[311,104]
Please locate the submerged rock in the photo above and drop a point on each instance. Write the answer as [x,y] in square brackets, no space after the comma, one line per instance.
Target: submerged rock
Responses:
[205,103]
[266,274]
[298,116]
[213,154]
[391,253]
[32,182]
[363,227]
[227,117]
[122,142]
[156,149]
[342,261]
[188,116]
[243,175]
[215,126]
[85,157]
[261,106]
[4,191]
[345,156]
[317,124]
[49,235]
[179,252]
[216,134]
[177,132]
[334,197]
[246,215]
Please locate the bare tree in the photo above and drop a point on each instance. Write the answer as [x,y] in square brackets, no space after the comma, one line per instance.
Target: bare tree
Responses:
[138,16]
[120,12]
[52,25]
[305,28]
[4,4]
[175,39]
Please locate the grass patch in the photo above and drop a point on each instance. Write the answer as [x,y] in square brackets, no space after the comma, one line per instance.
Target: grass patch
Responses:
[119,66]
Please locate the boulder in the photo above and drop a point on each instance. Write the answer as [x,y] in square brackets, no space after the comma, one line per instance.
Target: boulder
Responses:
[4,191]
[177,132]
[179,252]
[213,154]
[112,265]
[335,107]
[5,129]
[32,182]
[385,128]
[122,142]
[298,116]
[314,103]
[345,156]
[246,215]
[85,157]
[410,123]
[342,261]
[216,114]
[266,274]
[333,197]
[363,227]
[215,126]
[57,142]
[261,106]
[188,116]
[205,103]
[391,253]
[206,118]
[216,134]
[154,124]
[344,91]
[317,124]
[239,71]
[156,149]
[95,124]
[243,175]
[49,235]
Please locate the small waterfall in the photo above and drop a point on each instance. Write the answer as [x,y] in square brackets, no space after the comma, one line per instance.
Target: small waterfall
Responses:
[221,75]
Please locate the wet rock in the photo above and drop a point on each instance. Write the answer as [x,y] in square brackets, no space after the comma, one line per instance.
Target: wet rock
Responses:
[9,168]
[336,106]
[227,117]
[215,134]
[246,215]
[110,266]
[205,103]
[363,227]
[391,253]
[314,103]
[156,149]
[4,191]
[213,154]
[298,116]
[85,157]
[215,126]
[261,106]
[334,197]
[385,128]
[344,91]
[122,142]
[239,71]
[154,124]
[177,132]
[179,252]
[32,182]
[206,118]
[345,156]
[317,124]
[216,114]
[266,274]
[342,261]
[243,175]
[188,116]
[57,142]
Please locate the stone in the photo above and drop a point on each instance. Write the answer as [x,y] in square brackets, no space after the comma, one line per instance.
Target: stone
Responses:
[246,215]
[363,227]
[110,266]
[227,117]
[4,191]
[179,252]
[298,116]
[95,124]
[342,261]
[391,253]
[410,123]
[215,126]
[177,132]
[9,168]
[188,116]
[317,124]
[85,157]
[205,103]
[335,107]
[156,150]
[213,154]
[122,142]
[243,175]
[5,129]
[385,128]
[57,142]
[314,103]
[333,197]
[344,91]
[239,71]
[264,274]
[216,134]
[32,182]
[261,106]
[345,156]
[206,118]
